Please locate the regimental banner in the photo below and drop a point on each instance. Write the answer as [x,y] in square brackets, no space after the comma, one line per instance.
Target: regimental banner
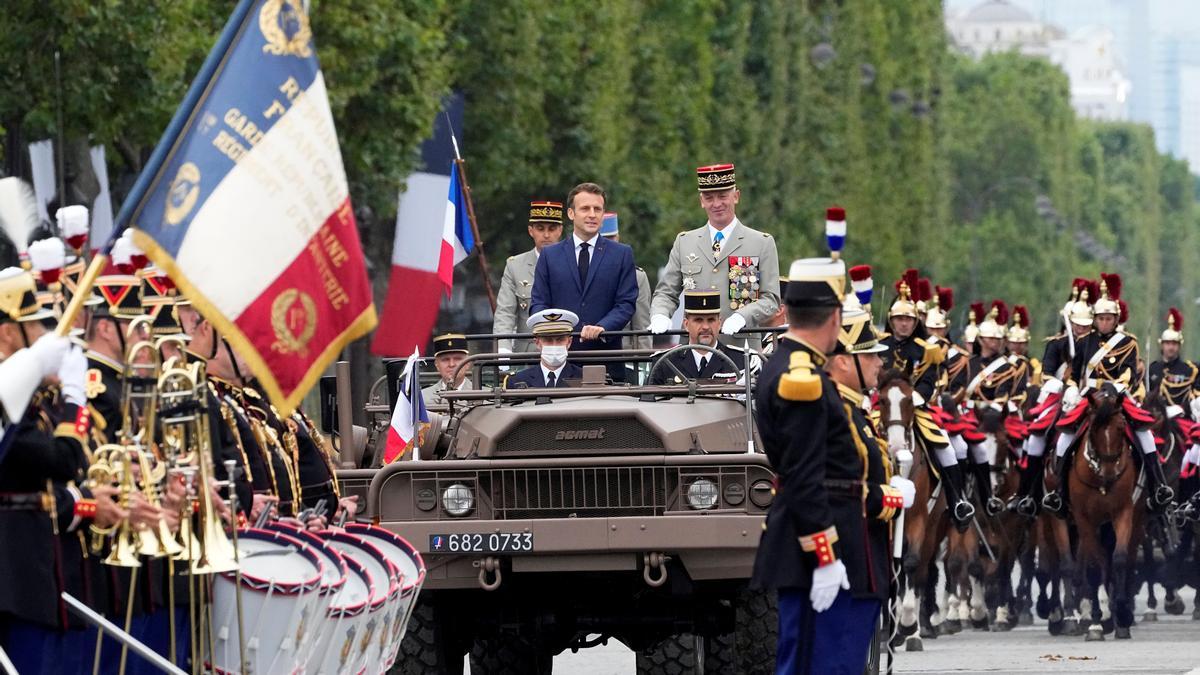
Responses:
[245,203]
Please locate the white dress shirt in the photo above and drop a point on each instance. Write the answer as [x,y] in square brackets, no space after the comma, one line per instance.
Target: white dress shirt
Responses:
[590,242]
[712,232]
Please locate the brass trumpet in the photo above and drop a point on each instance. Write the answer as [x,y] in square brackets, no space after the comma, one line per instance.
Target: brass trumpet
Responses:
[183,419]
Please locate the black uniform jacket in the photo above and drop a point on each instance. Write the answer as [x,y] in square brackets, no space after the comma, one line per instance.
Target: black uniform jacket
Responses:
[1056,356]
[532,377]
[809,443]
[45,453]
[1175,381]
[1005,382]
[715,369]
[103,386]
[881,503]
[1118,364]
[916,359]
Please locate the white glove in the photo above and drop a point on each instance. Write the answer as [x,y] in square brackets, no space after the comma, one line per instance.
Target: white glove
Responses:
[918,400]
[660,323]
[1195,406]
[907,489]
[1174,411]
[72,373]
[1070,398]
[1192,456]
[50,349]
[826,583]
[1052,385]
[733,324]
[504,366]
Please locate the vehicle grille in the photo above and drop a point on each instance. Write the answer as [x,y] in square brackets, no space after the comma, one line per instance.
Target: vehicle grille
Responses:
[579,493]
[580,435]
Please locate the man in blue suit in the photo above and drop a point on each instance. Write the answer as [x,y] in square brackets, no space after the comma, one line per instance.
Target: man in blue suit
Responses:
[551,330]
[589,275]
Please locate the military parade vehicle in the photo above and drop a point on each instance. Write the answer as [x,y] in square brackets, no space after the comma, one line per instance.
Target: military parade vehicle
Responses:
[555,519]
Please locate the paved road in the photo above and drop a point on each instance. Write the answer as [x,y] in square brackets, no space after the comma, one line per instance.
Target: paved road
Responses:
[1172,645]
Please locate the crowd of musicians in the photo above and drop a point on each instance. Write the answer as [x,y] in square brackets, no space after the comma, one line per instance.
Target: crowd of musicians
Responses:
[74,407]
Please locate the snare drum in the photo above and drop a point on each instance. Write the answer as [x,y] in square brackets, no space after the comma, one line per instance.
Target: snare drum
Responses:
[280,589]
[338,650]
[412,569]
[384,600]
[332,581]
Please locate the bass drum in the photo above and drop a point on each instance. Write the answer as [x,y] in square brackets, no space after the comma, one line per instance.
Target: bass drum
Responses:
[280,578]
[334,574]
[412,570]
[338,650]
[384,599]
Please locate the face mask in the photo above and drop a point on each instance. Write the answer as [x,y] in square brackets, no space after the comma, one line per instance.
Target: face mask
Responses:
[554,356]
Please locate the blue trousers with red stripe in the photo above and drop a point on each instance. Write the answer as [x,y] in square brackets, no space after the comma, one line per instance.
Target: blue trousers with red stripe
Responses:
[833,642]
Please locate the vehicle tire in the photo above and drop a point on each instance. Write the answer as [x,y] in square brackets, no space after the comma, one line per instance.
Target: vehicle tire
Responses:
[756,632]
[509,654]
[675,655]
[429,646]
[720,654]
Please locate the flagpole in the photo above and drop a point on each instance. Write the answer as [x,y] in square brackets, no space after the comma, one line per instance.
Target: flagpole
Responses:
[414,390]
[461,165]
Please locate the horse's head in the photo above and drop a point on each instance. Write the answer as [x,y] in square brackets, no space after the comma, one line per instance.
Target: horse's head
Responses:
[1107,444]
[992,425]
[896,411]
[1156,405]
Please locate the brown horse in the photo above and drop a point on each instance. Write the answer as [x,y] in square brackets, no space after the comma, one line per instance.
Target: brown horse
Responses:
[1006,532]
[1101,483]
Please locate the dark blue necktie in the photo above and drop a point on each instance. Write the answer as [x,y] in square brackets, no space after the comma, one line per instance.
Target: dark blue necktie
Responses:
[584,261]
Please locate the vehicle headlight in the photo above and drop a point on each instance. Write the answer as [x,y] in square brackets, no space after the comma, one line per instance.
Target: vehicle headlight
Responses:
[458,499]
[702,494]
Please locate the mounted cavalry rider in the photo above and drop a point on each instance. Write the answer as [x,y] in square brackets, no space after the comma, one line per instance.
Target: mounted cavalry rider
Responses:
[1107,356]
[952,373]
[1017,343]
[910,353]
[1174,378]
[1077,316]
[996,381]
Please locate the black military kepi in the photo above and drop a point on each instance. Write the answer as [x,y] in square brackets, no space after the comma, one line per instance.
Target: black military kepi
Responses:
[816,282]
[450,343]
[121,296]
[702,302]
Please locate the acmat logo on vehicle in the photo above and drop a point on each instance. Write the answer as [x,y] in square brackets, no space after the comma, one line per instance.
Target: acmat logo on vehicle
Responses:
[580,435]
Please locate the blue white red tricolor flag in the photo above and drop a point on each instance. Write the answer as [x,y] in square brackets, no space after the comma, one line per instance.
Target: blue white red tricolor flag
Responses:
[409,412]
[433,235]
[245,203]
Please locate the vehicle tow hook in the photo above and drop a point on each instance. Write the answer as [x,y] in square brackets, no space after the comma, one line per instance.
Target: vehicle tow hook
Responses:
[655,561]
[489,566]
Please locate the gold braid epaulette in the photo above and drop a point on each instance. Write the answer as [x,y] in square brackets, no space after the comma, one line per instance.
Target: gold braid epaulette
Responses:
[227,414]
[801,382]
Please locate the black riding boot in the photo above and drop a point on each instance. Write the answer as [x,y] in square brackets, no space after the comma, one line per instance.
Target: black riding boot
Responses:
[1053,501]
[1158,493]
[954,485]
[983,482]
[1025,502]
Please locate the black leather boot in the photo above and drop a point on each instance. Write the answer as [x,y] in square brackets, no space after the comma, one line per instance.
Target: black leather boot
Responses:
[961,511]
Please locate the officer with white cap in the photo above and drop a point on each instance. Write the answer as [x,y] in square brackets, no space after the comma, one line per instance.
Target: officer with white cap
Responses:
[551,330]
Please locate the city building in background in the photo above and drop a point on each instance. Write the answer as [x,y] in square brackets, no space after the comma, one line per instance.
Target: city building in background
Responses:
[1153,43]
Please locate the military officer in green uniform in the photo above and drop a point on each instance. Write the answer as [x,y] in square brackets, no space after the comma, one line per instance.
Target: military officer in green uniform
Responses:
[449,351]
[512,303]
[725,255]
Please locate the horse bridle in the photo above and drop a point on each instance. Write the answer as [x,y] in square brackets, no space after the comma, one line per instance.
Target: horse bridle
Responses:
[1095,458]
